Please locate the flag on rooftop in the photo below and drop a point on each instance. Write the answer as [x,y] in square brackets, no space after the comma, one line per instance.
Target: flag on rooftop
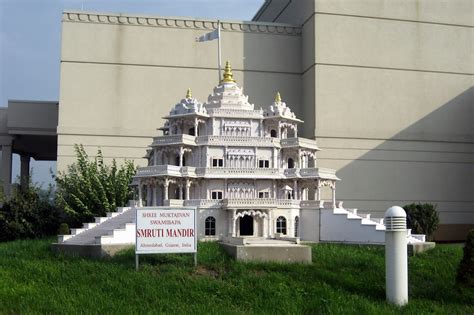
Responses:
[209,36]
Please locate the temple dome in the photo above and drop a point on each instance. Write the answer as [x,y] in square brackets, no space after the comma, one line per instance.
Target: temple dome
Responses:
[188,105]
[228,95]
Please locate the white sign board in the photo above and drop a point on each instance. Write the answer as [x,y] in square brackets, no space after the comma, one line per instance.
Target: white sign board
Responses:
[166,230]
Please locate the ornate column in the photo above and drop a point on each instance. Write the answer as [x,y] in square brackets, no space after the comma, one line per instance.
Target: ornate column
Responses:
[225,189]
[188,186]
[333,186]
[196,126]
[181,154]
[269,225]
[265,226]
[153,199]
[140,194]
[180,191]
[300,159]
[166,186]
[260,128]
[148,195]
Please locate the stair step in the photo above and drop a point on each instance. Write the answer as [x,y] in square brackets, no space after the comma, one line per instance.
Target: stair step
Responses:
[101,219]
[77,231]
[89,225]
[62,238]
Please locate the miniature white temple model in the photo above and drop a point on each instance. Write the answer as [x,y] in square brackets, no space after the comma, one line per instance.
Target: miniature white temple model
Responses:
[246,171]
[245,168]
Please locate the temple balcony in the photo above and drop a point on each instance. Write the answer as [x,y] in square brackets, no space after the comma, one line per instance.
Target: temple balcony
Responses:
[228,172]
[174,139]
[238,141]
[248,203]
[298,143]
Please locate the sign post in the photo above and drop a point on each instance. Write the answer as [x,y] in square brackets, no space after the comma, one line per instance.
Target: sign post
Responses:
[162,230]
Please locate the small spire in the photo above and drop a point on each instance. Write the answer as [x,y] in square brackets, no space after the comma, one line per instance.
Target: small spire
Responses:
[278,98]
[228,74]
[189,94]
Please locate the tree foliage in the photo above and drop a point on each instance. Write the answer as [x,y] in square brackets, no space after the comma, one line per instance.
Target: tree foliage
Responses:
[422,218]
[29,213]
[466,267]
[90,188]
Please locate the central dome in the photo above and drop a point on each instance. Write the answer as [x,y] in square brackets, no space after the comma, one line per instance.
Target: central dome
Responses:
[227,95]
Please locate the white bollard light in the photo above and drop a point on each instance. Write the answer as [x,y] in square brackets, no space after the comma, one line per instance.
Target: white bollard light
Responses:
[396,260]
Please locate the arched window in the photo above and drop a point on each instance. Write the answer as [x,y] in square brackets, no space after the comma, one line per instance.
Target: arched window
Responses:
[273,133]
[291,163]
[210,226]
[281,225]
[297,222]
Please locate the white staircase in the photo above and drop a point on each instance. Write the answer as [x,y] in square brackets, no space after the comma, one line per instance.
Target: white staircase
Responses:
[116,228]
[347,226]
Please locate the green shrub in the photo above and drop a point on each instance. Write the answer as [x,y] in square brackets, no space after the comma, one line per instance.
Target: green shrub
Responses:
[422,218]
[90,188]
[29,214]
[64,229]
[466,267]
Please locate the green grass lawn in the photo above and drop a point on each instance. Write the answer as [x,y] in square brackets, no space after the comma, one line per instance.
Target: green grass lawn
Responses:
[342,279]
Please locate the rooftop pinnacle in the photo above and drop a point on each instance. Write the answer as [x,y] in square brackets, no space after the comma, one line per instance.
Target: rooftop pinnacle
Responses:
[278,98]
[188,94]
[228,74]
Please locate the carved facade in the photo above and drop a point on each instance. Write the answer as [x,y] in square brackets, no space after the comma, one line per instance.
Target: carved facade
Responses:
[245,169]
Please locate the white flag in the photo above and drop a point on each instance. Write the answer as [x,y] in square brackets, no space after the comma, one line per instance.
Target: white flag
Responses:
[209,36]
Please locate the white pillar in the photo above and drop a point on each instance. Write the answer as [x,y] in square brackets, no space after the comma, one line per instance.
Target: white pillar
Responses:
[180,191]
[188,186]
[24,172]
[166,186]
[181,153]
[334,196]
[140,195]
[396,262]
[6,168]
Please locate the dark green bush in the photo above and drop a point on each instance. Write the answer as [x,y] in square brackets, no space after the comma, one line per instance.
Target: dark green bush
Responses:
[422,218]
[64,229]
[29,214]
[465,274]
[90,188]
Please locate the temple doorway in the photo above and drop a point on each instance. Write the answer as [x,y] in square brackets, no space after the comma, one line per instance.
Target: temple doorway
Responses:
[246,226]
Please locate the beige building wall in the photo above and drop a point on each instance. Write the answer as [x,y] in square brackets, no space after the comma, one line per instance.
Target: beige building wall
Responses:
[386,87]
[393,94]
[120,75]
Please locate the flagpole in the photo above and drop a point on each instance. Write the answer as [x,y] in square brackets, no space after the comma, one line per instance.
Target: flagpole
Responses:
[219,48]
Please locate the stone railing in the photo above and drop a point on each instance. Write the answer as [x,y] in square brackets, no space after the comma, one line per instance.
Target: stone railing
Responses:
[173,203]
[260,202]
[224,112]
[204,203]
[174,139]
[158,170]
[238,172]
[299,142]
[227,172]
[237,141]
[310,204]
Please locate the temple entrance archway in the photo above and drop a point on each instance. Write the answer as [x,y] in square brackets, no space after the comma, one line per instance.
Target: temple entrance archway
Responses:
[246,225]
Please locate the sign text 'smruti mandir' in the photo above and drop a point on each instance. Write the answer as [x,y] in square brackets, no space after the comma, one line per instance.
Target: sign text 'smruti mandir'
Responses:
[166,230]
